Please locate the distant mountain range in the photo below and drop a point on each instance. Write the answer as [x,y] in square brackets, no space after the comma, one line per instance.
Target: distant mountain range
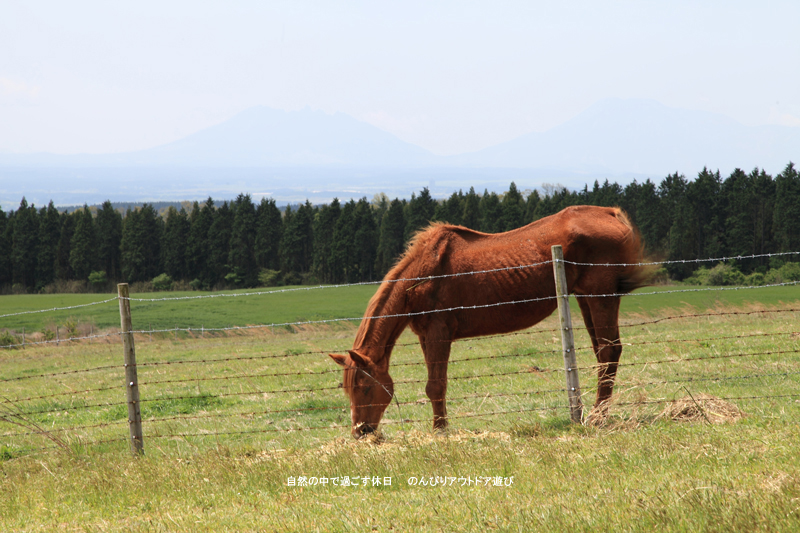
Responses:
[260,137]
[645,137]
[296,154]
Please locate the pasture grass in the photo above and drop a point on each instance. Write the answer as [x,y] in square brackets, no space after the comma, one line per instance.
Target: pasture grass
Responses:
[303,304]
[224,431]
[277,306]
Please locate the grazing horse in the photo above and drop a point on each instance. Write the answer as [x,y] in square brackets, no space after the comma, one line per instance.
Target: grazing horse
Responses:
[434,276]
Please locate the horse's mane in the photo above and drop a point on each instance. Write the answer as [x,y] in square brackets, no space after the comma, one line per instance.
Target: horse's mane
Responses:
[391,295]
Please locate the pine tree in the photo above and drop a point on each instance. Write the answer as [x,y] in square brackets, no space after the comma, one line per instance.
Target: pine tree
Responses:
[391,242]
[763,209]
[513,209]
[642,204]
[747,200]
[451,210]
[242,255]
[737,197]
[419,212]
[49,234]
[174,243]
[63,268]
[219,239]
[471,216]
[197,243]
[531,203]
[609,195]
[298,239]
[141,244]
[269,230]
[5,249]
[677,211]
[556,198]
[703,196]
[133,259]
[108,224]
[324,226]
[83,246]
[365,241]
[25,244]
[491,213]
[786,218]
[380,204]
[343,249]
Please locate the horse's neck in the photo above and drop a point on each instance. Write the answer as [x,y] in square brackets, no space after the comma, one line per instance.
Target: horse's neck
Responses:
[376,336]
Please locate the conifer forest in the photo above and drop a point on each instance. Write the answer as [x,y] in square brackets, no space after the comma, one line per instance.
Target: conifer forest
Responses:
[242,243]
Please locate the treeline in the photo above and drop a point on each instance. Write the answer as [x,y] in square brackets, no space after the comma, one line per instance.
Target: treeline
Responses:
[243,244]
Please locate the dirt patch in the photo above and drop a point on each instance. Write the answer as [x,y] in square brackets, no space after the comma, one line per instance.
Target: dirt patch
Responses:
[703,408]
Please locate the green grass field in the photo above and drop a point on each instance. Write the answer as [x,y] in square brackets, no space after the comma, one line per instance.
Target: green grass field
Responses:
[303,304]
[225,429]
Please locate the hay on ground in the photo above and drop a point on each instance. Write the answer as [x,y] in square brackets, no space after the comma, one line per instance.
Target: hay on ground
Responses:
[703,408]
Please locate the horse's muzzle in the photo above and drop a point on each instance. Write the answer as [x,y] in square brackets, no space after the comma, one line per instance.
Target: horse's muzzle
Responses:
[362,430]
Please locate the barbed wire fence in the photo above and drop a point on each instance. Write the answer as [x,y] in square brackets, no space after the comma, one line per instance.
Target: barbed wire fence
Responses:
[212,397]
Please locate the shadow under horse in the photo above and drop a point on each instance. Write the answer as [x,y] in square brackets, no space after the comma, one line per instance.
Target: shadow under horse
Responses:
[447,269]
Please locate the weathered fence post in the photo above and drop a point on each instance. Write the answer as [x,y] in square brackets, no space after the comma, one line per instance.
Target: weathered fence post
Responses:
[567,338]
[56,334]
[23,338]
[131,380]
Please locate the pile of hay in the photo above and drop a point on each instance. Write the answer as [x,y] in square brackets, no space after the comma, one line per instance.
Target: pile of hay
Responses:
[703,408]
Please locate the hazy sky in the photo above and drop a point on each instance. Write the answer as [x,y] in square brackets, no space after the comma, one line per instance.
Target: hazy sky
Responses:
[449,76]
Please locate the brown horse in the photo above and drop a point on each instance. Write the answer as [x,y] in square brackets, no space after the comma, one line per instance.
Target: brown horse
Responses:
[429,282]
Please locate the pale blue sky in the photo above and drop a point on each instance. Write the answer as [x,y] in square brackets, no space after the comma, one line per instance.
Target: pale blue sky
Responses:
[451,77]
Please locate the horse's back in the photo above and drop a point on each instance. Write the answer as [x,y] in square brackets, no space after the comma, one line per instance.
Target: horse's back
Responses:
[599,234]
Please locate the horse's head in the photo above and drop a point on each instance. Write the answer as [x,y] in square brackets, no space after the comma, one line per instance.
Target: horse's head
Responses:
[369,387]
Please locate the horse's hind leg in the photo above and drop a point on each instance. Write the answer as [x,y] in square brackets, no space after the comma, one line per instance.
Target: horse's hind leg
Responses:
[436,347]
[587,319]
[601,316]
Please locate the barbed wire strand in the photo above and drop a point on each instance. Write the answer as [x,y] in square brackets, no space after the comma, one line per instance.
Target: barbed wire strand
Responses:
[69,428]
[586,392]
[438,276]
[336,370]
[684,359]
[458,274]
[692,379]
[401,315]
[415,343]
[278,411]
[115,298]
[407,421]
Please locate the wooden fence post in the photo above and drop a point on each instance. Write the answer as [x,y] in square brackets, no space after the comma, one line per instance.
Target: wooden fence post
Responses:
[131,380]
[567,338]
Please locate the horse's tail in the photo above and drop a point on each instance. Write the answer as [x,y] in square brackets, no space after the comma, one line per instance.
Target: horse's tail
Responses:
[635,274]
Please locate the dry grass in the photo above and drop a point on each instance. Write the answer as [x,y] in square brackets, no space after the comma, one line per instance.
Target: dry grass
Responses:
[642,469]
[702,407]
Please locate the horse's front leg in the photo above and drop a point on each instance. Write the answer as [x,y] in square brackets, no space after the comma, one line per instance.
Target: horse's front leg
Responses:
[436,347]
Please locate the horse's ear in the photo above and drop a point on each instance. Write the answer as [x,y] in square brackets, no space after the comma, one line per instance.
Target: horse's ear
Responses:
[339,358]
[358,359]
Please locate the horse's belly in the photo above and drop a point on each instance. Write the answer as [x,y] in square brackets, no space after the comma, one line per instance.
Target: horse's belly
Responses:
[494,320]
